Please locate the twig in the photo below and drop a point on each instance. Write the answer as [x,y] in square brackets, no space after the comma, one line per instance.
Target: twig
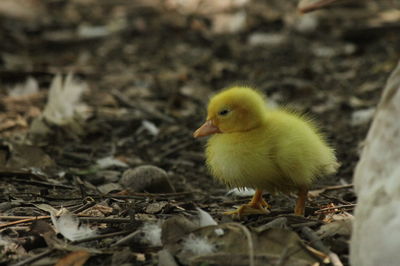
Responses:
[336,207]
[20,220]
[249,241]
[42,183]
[34,258]
[105,220]
[279,222]
[84,207]
[312,223]
[338,187]
[99,237]
[27,219]
[335,199]
[132,195]
[317,243]
[137,195]
[325,189]
[315,6]
[126,239]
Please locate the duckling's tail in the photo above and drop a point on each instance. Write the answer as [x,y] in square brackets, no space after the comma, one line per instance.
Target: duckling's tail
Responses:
[332,168]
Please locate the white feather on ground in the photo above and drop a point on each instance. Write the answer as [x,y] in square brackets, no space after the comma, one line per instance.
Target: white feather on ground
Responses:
[376,230]
[108,162]
[63,99]
[152,233]
[198,245]
[30,86]
[243,192]
[70,227]
[150,127]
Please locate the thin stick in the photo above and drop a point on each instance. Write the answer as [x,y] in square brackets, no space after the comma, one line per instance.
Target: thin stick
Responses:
[339,187]
[316,241]
[149,195]
[20,220]
[85,207]
[315,6]
[42,183]
[249,241]
[337,207]
[324,189]
[27,219]
[132,195]
[126,239]
[99,237]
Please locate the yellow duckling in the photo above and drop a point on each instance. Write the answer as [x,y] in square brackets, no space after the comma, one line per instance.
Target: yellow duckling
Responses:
[267,149]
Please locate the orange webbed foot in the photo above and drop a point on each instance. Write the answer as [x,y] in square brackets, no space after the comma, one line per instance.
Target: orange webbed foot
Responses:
[256,206]
[247,209]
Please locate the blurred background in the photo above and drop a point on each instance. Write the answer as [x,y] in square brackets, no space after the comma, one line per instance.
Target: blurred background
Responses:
[146,68]
[169,56]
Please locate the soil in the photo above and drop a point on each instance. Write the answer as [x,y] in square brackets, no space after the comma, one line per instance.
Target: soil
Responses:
[150,68]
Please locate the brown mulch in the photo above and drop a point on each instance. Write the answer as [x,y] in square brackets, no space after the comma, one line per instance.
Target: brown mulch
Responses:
[150,68]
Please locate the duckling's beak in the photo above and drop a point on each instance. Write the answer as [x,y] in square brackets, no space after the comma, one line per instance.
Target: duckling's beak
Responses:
[206,129]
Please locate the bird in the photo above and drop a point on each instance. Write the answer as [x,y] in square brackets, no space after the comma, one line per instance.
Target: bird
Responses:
[268,149]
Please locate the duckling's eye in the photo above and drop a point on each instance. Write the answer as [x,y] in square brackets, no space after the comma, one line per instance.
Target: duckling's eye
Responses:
[223,112]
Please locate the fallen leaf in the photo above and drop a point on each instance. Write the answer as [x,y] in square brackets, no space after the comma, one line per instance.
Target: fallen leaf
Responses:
[339,224]
[76,258]
[156,207]
[97,210]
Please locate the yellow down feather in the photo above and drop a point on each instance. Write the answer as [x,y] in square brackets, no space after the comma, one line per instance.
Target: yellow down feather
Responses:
[270,149]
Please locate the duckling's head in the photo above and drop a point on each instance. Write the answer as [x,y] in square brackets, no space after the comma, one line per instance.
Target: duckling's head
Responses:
[236,109]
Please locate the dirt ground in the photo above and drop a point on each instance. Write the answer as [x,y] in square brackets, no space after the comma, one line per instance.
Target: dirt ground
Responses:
[148,69]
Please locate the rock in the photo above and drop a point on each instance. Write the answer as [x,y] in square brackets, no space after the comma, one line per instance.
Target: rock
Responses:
[147,178]
[375,237]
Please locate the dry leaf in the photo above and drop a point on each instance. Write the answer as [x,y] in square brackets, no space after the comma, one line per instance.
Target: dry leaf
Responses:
[76,258]
[339,224]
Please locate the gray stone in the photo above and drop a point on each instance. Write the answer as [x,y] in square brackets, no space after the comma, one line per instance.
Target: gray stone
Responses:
[147,178]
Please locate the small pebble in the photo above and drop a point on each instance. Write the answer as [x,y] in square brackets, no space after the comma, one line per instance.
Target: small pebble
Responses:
[147,178]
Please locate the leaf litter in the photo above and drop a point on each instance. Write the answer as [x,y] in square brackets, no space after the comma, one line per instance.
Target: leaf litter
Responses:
[111,144]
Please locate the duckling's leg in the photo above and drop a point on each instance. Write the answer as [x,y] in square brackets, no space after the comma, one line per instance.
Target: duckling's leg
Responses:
[255,206]
[301,201]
